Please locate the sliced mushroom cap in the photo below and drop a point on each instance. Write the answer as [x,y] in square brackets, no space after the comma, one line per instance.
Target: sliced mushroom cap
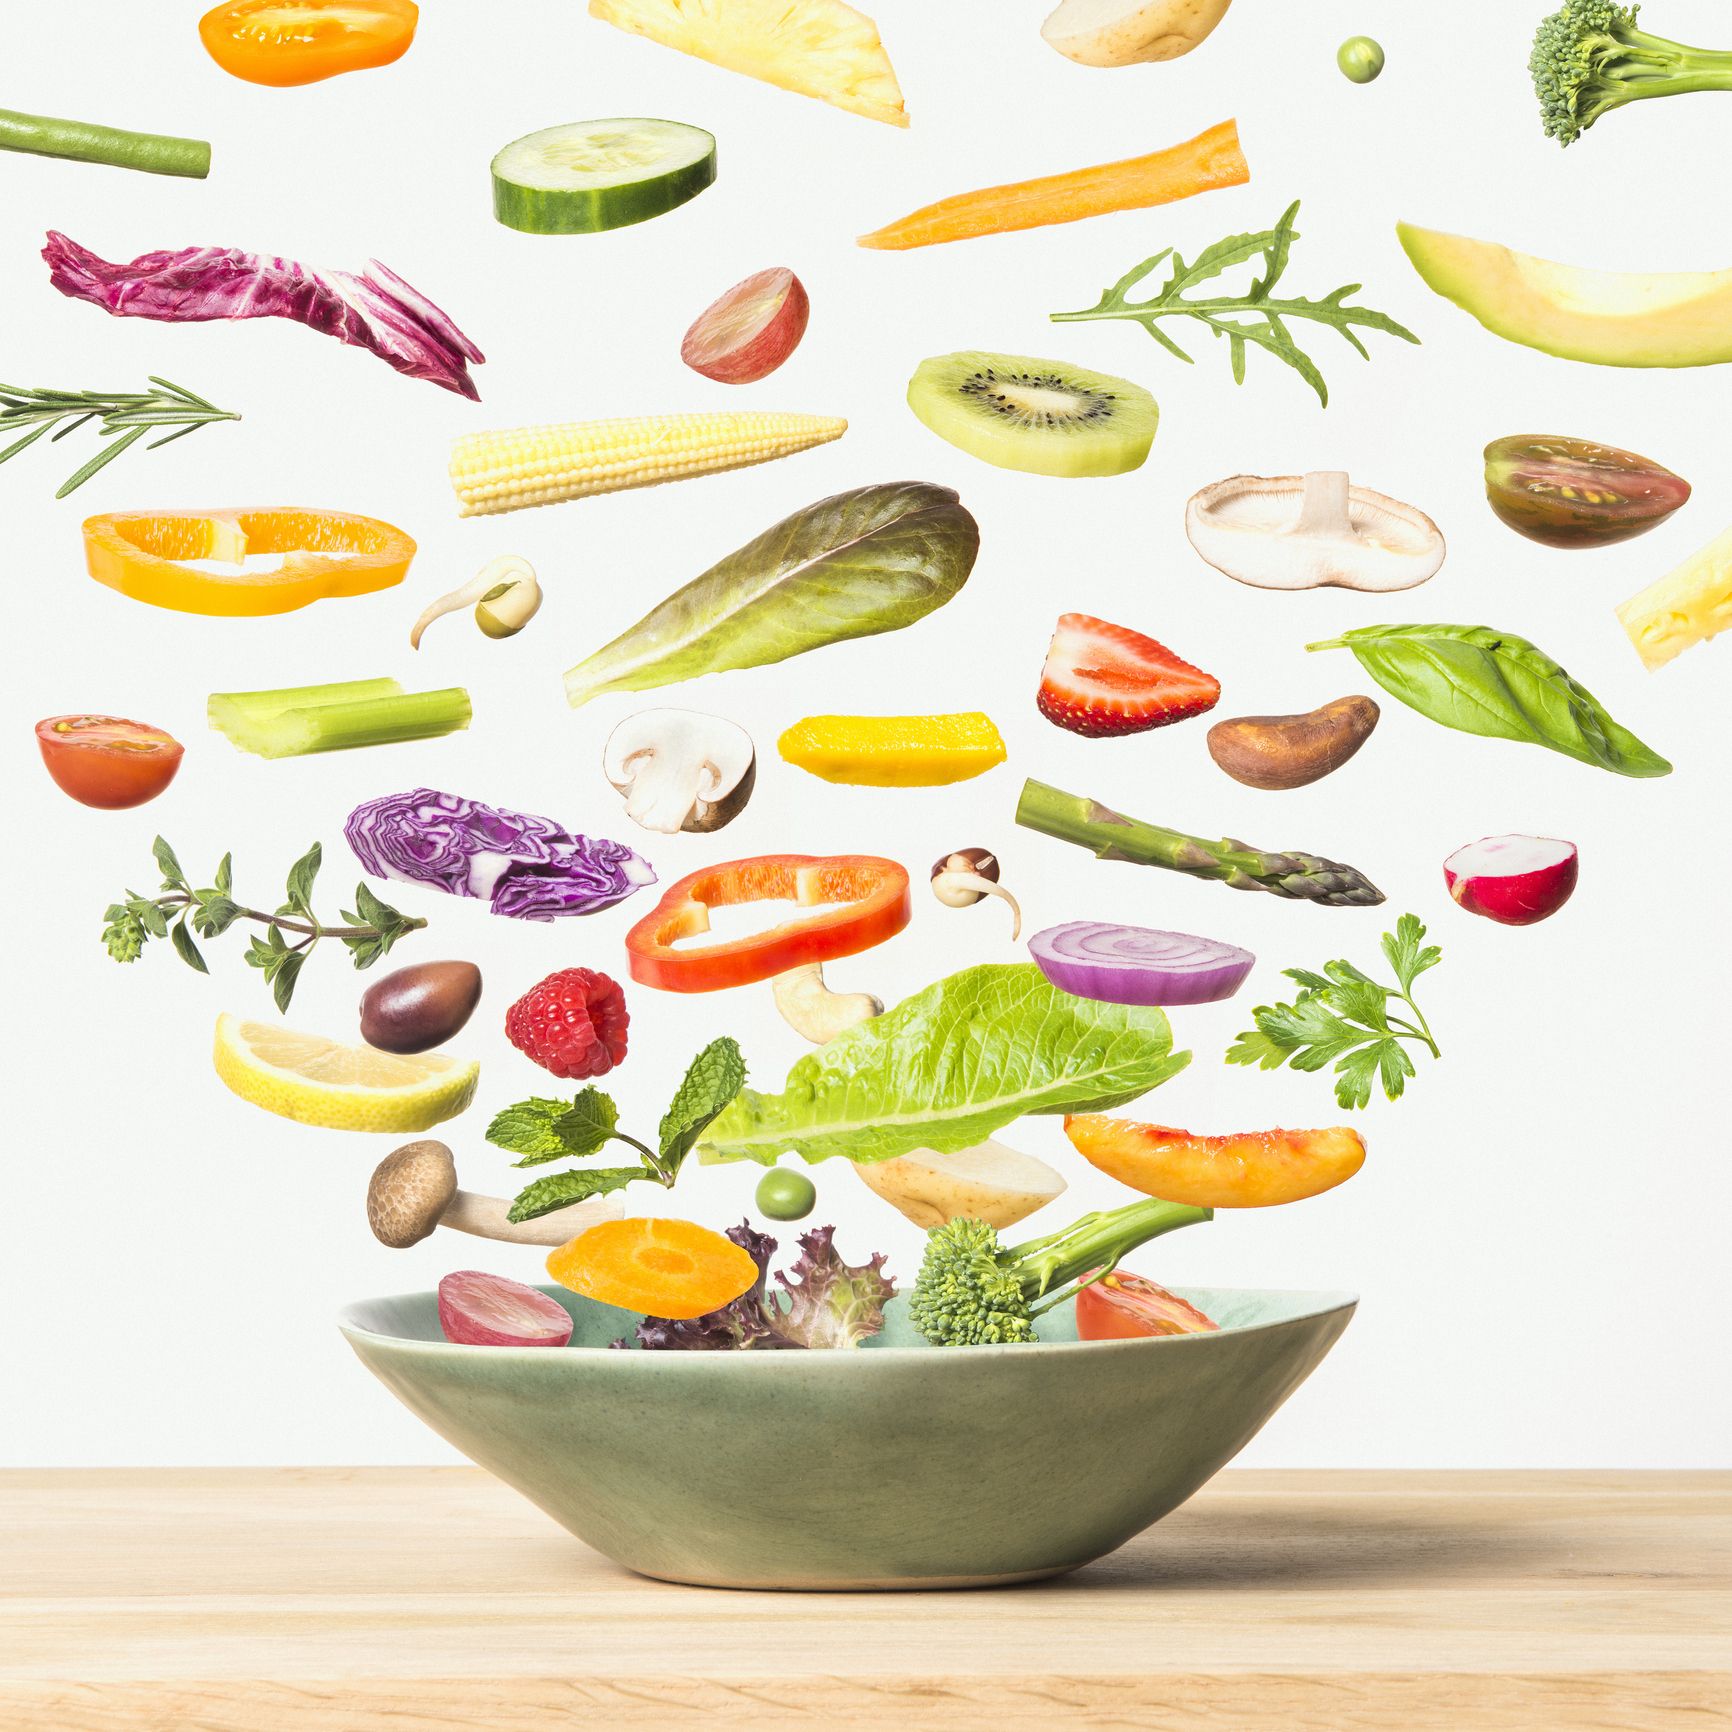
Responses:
[410,1189]
[1311,532]
[681,769]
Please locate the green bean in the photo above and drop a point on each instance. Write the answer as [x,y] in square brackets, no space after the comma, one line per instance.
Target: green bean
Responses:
[81,141]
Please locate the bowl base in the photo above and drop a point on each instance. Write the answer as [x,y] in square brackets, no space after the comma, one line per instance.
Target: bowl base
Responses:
[852,1585]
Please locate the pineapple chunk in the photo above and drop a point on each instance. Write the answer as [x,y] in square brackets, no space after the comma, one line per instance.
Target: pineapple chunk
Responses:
[1689,606]
[818,48]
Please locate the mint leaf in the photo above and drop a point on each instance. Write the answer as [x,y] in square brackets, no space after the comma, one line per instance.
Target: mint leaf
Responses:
[529,1128]
[561,1190]
[711,1081]
[589,1122]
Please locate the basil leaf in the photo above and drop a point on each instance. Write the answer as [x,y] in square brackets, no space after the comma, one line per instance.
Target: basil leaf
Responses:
[873,560]
[1479,680]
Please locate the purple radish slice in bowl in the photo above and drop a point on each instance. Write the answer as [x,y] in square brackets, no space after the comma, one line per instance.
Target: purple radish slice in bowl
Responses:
[481,1310]
[1138,964]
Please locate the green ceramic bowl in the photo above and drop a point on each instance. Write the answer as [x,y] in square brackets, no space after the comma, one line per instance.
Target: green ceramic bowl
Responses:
[894,1466]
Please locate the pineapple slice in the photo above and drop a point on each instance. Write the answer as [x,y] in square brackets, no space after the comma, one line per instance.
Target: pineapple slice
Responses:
[1688,606]
[819,48]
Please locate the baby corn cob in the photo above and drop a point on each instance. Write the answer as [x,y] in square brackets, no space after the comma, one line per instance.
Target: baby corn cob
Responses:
[543,465]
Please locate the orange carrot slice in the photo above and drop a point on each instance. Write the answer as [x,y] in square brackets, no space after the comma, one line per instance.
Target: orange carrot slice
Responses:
[663,1268]
[1250,1170]
[1211,159]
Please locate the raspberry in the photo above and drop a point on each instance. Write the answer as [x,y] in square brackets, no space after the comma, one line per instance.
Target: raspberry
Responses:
[572,1024]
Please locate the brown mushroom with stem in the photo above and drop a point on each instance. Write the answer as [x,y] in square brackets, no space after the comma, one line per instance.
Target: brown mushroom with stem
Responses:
[414,1189]
[1312,531]
[967,876]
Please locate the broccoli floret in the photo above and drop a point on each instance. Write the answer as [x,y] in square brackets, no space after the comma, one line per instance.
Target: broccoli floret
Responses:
[1589,58]
[974,1292]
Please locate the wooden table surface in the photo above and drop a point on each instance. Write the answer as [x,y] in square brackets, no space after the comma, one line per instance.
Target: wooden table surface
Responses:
[385,1600]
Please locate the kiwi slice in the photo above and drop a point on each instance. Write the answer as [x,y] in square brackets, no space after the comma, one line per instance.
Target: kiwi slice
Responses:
[1045,417]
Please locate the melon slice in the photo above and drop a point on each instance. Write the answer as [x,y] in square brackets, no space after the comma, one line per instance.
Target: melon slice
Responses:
[1617,319]
[818,48]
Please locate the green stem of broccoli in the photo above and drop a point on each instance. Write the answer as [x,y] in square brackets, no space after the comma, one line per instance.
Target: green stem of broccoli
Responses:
[1093,1246]
[1589,58]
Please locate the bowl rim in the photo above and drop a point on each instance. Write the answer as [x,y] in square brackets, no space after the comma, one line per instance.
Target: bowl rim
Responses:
[1322,1302]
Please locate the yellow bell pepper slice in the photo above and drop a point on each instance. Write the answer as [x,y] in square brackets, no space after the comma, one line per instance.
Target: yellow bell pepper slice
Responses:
[894,751]
[144,554]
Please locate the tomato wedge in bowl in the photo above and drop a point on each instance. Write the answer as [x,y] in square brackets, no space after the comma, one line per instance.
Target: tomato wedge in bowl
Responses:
[1123,1307]
[289,42]
[106,761]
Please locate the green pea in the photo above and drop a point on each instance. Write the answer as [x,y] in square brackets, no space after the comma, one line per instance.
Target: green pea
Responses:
[1360,58]
[785,1195]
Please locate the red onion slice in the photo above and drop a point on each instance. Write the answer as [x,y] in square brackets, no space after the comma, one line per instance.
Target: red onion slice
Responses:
[1137,965]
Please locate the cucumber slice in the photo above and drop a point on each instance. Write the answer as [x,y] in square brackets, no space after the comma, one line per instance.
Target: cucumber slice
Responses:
[600,174]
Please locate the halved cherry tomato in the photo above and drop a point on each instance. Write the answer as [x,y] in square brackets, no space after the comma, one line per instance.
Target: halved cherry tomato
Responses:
[875,906]
[1574,493]
[107,762]
[1124,1307]
[284,42]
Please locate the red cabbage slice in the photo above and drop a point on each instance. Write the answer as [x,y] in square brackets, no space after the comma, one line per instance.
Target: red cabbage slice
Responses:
[376,311]
[524,866]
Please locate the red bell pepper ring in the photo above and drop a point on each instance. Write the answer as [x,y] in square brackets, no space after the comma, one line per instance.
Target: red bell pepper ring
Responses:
[875,906]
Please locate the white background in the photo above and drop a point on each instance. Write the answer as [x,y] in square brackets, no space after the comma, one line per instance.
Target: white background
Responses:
[1539,1234]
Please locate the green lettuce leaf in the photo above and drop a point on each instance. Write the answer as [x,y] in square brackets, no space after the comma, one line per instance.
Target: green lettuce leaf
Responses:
[858,563]
[946,1068]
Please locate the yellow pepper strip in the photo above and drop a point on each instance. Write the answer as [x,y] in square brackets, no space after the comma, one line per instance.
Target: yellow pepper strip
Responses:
[144,554]
[894,751]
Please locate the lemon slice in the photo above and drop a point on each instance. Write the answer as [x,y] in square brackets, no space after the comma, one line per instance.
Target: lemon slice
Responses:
[344,1088]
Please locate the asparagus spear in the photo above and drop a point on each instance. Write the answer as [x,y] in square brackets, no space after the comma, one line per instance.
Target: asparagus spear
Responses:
[1110,835]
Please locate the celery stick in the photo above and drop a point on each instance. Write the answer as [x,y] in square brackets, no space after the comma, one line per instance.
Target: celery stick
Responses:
[336,727]
[228,712]
[83,141]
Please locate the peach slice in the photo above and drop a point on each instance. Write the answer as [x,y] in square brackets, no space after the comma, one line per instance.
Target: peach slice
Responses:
[751,330]
[1246,1170]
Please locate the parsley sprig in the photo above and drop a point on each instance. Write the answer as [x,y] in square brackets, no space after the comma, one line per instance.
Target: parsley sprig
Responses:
[1256,317]
[372,927]
[1345,1017]
[550,1130]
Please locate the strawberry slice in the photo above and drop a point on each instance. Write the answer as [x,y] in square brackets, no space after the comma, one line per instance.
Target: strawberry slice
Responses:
[1102,679]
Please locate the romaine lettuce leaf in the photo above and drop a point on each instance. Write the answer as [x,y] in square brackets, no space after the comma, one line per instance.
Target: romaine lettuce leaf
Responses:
[946,1068]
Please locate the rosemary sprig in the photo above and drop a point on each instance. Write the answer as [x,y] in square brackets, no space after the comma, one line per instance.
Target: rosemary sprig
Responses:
[126,417]
[1254,317]
[369,932]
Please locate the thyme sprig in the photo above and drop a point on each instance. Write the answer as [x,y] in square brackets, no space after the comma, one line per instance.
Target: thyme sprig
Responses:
[126,417]
[370,930]
[1255,317]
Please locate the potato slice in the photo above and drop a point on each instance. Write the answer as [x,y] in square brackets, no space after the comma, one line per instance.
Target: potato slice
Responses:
[1124,32]
[986,1183]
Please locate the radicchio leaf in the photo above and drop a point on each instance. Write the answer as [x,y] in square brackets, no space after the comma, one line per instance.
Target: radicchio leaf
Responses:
[525,866]
[377,310]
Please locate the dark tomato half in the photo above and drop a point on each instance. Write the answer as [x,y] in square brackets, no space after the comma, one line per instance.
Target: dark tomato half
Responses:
[107,762]
[1573,493]
[1121,1307]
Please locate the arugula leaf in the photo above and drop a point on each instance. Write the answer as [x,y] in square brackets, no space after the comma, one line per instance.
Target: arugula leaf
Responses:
[1255,317]
[711,1081]
[1343,1018]
[561,1190]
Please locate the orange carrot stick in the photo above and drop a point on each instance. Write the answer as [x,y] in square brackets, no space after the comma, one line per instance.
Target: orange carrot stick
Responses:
[1211,159]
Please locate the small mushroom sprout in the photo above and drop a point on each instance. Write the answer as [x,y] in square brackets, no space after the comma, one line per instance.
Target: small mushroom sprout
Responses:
[505,595]
[681,769]
[966,876]
[1312,532]
[414,1189]
[811,1009]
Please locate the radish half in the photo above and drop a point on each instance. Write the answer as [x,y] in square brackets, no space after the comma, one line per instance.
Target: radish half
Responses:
[481,1310]
[1515,880]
